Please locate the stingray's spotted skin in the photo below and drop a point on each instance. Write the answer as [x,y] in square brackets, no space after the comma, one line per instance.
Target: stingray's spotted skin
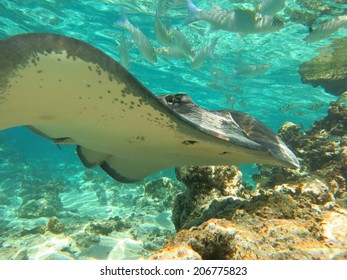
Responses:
[73,93]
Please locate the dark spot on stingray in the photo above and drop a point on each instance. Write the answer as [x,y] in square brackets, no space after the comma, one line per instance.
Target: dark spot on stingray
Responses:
[99,82]
[88,85]
[40,86]
[224,153]
[138,105]
[39,71]
[90,68]
[110,78]
[59,59]
[123,95]
[149,114]
[88,97]
[108,91]
[123,110]
[121,102]
[131,107]
[98,72]
[100,97]
[80,97]
[59,80]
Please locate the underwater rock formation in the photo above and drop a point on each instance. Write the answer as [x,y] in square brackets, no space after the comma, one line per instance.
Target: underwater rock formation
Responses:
[207,188]
[55,226]
[294,214]
[328,69]
[40,199]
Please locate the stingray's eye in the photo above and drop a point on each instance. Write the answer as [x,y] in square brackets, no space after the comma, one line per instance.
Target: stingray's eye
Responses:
[169,99]
[276,22]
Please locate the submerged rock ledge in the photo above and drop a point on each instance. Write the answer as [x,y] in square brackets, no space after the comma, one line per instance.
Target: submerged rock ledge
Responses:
[328,69]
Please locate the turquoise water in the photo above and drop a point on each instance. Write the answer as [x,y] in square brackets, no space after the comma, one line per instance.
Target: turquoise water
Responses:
[262,96]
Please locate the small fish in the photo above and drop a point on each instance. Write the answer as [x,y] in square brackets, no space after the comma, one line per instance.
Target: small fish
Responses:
[271,7]
[342,98]
[161,32]
[259,179]
[201,56]
[326,29]
[287,107]
[144,45]
[250,70]
[316,106]
[173,52]
[240,21]
[182,42]
[123,48]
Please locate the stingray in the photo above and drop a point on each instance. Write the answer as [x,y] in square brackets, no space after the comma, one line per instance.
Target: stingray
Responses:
[74,94]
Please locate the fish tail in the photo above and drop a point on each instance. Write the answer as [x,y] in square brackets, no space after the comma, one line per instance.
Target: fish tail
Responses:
[193,12]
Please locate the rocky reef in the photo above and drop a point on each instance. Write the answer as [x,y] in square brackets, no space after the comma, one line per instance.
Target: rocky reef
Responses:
[291,214]
[328,69]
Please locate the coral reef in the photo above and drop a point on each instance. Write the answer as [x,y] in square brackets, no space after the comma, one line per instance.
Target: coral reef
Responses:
[293,214]
[40,199]
[55,226]
[328,69]
[206,187]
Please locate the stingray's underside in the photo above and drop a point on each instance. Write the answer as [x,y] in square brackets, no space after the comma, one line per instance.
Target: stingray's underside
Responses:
[72,93]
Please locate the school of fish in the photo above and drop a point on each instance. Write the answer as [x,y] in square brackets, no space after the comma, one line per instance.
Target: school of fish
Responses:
[172,43]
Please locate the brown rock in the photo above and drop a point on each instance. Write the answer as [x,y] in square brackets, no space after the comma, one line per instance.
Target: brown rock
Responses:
[328,69]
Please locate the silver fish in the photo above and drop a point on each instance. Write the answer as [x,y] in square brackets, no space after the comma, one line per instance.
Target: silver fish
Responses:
[240,21]
[161,32]
[200,57]
[182,42]
[250,70]
[123,47]
[140,39]
[326,29]
[271,7]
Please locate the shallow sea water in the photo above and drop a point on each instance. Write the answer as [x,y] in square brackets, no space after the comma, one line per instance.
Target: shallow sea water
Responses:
[37,161]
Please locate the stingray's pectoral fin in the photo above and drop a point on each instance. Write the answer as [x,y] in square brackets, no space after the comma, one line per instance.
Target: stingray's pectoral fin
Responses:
[89,158]
[122,170]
